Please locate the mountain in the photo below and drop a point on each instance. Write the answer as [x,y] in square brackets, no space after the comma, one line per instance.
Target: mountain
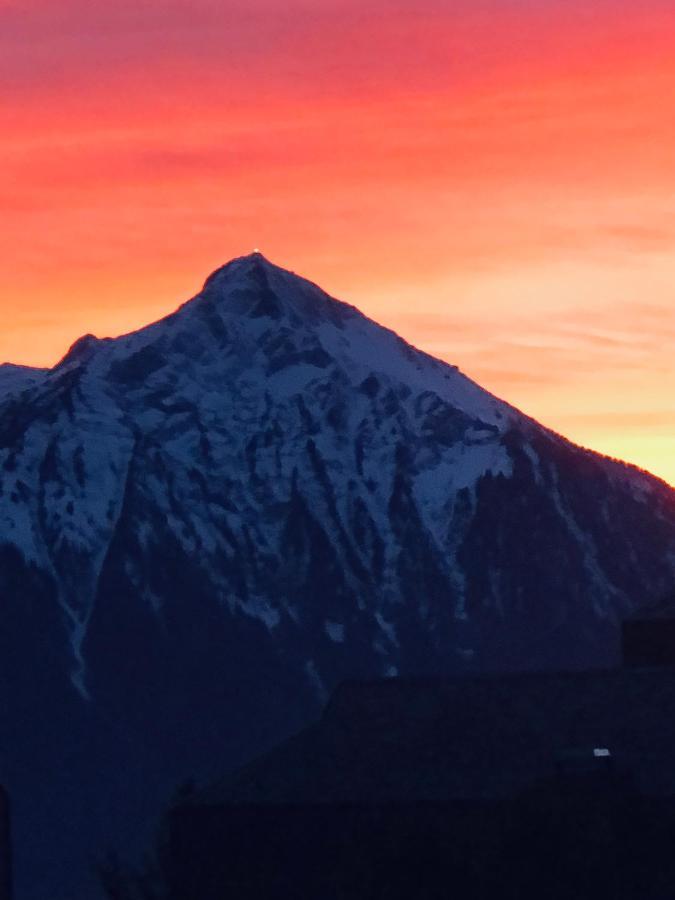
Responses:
[208,523]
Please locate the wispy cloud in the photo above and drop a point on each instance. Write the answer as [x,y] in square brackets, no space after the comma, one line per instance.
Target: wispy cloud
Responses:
[492,178]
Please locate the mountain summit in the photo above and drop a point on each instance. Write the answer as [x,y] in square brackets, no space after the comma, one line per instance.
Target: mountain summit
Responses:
[207,523]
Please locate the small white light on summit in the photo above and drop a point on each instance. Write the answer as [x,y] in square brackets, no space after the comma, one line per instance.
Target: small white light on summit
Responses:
[255,250]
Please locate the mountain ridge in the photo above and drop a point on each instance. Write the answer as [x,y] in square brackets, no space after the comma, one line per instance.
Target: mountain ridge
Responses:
[87,344]
[244,303]
[206,524]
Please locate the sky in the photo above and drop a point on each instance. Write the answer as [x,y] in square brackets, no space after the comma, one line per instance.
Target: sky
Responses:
[494,179]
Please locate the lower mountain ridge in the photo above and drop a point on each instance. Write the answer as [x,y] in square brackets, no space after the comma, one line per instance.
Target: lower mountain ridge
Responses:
[205,525]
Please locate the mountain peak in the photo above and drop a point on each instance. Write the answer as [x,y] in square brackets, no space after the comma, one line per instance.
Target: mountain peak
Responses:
[242,266]
[254,286]
[82,350]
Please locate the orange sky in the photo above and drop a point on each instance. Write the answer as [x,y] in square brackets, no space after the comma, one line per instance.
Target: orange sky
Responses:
[495,179]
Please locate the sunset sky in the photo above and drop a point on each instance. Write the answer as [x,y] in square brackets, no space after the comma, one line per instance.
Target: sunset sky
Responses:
[494,179]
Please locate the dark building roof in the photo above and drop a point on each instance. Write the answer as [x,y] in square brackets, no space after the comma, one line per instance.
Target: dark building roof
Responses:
[663,608]
[420,741]
[649,641]
[475,788]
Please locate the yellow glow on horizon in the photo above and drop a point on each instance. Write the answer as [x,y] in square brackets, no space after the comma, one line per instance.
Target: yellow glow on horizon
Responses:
[493,183]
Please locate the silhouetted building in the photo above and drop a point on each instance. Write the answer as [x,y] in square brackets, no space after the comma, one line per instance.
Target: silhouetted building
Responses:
[648,638]
[556,785]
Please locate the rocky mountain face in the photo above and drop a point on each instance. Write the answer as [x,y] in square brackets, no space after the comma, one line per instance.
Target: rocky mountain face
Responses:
[205,525]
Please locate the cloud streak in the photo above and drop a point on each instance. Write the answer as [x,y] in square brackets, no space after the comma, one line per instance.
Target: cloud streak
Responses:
[491,178]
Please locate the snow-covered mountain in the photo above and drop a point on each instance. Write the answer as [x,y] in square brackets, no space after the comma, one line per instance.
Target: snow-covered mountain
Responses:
[206,524]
